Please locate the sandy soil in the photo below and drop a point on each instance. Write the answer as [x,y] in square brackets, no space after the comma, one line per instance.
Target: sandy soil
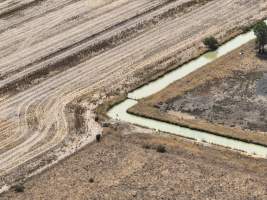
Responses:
[56,54]
[126,165]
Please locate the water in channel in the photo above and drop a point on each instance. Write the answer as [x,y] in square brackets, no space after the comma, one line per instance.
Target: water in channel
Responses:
[119,111]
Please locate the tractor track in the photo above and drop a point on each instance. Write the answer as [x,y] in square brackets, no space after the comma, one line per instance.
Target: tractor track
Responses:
[51,61]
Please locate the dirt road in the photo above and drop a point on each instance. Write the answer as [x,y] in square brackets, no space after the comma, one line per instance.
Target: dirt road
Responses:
[55,52]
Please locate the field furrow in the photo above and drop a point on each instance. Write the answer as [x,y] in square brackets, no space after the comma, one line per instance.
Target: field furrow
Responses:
[52,53]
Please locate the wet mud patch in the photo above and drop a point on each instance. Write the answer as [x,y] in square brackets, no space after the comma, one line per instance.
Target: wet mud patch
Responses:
[236,101]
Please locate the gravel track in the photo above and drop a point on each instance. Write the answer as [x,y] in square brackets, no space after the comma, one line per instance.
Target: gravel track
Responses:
[49,31]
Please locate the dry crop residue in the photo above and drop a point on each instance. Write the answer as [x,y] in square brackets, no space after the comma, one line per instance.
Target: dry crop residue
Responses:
[55,54]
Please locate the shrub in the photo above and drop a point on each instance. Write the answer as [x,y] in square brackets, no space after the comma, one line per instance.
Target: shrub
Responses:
[260,31]
[91,180]
[211,43]
[98,137]
[96,118]
[146,146]
[19,188]
[161,149]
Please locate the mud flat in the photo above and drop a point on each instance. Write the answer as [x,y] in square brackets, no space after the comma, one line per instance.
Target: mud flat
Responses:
[226,97]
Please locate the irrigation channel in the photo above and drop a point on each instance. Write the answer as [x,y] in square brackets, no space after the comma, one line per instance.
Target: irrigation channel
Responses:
[119,112]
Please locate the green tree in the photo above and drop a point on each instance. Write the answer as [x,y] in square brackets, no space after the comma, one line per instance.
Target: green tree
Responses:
[211,43]
[260,30]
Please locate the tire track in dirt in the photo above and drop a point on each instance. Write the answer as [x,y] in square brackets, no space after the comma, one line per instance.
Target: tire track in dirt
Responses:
[47,100]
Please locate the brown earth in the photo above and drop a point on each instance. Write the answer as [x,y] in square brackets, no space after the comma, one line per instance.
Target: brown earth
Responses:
[60,59]
[126,165]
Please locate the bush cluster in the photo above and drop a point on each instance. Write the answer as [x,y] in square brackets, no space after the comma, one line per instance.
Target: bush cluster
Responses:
[211,43]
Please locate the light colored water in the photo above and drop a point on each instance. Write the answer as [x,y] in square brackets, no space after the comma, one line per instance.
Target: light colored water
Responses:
[161,83]
[120,111]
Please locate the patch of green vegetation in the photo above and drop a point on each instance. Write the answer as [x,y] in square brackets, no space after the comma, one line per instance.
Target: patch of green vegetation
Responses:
[260,30]
[211,43]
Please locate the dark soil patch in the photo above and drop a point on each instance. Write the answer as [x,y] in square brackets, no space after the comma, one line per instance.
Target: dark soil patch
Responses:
[239,100]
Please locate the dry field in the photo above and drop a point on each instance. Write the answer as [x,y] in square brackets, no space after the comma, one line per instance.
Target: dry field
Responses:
[126,165]
[60,59]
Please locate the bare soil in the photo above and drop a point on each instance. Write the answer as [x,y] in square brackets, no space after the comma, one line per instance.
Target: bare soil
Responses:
[60,59]
[126,165]
[238,101]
